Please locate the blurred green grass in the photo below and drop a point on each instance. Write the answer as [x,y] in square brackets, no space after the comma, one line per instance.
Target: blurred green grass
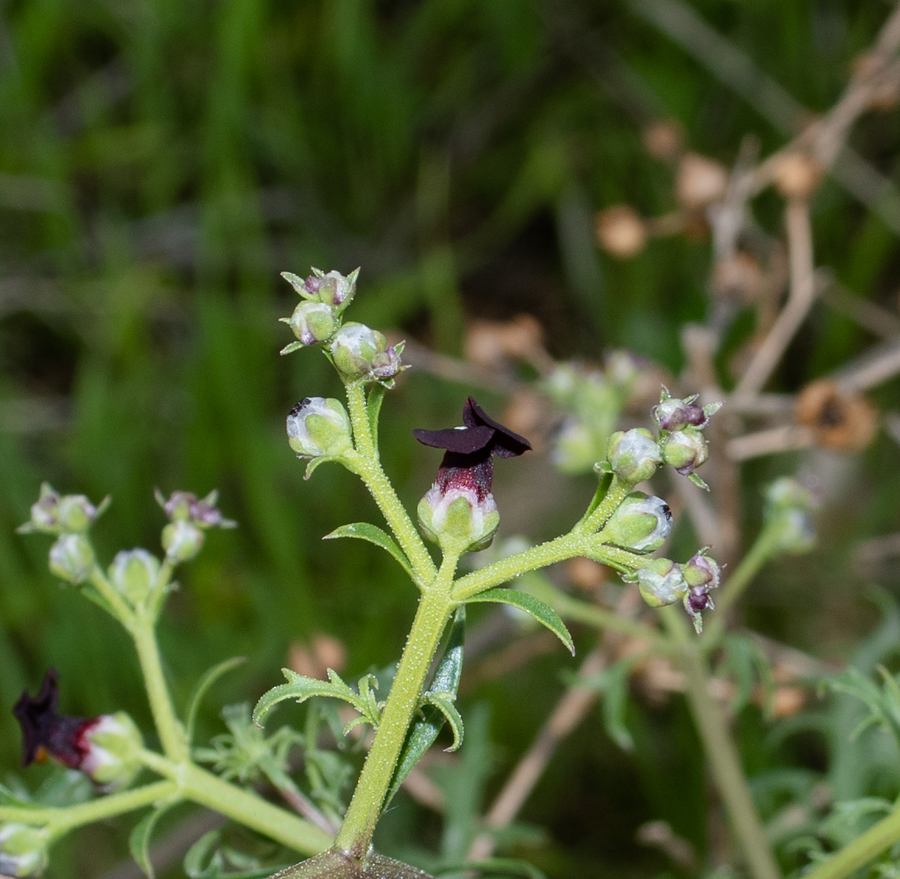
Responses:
[160,162]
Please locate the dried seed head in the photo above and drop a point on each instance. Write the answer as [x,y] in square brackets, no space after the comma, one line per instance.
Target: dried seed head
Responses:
[797,175]
[620,231]
[840,420]
[663,139]
[700,181]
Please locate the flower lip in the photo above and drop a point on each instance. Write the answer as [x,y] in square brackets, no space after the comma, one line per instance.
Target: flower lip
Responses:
[47,733]
[480,437]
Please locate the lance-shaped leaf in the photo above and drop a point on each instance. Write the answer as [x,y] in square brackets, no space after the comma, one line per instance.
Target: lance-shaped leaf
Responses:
[365,531]
[139,839]
[446,682]
[209,678]
[300,688]
[534,607]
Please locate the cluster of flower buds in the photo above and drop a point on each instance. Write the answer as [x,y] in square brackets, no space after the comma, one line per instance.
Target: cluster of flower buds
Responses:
[105,748]
[662,581]
[358,352]
[68,516]
[459,512]
[189,517]
[23,849]
[635,455]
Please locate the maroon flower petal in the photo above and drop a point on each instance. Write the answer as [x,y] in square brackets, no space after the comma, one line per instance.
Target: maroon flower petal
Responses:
[464,441]
[46,733]
[507,444]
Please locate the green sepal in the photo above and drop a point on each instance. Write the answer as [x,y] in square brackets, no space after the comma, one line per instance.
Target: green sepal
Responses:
[297,283]
[139,838]
[536,608]
[292,346]
[425,730]
[300,688]
[444,703]
[321,459]
[698,481]
[372,533]
[210,676]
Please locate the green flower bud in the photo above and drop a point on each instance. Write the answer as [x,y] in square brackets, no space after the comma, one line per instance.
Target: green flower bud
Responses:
[72,558]
[76,513]
[359,352]
[113,745]
[702,574]
[313,323]
[23,849]
[133,574]
[318,426]
[661,582]
[332,289]
[673,413]
[182,541]
[45,512]
[640,523]
[457,520]
[684,450]
[788,513]
[62,514]
[633,455]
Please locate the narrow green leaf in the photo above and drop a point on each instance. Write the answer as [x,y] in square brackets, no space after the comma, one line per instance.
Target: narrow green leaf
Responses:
[200,690]
[139,839]
[372,533]
[496,867]
[425,730]
[374,401]
[536,608]
[444,703]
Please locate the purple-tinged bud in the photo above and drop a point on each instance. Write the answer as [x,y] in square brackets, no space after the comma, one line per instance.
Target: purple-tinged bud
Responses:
[702,575]
[661,582]
[458,516]
[640,523]
[23,849]
[62,514]
[361,353]
[184,506]
[133,574]
[684,450]
[633,455]
[673,413]
[788,514]
[182,541]
[72,558]
[319,426]
[313,323]
[333,288]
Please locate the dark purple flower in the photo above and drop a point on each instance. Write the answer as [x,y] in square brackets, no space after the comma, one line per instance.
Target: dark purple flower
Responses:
[469,450]
[48,734]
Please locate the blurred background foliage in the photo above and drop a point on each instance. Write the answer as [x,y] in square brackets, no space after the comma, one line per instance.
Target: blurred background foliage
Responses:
[161,162]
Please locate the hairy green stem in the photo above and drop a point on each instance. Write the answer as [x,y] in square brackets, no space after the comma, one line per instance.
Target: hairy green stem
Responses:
[720,751]
[60,820]
[435,608]
[168,727]
[368,466]
[614,496]
[245,807]
[860,851]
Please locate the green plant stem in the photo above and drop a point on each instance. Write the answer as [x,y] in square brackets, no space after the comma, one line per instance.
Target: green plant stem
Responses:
[860,851]
[171,733]
[199,786]
[435,608]
[62,819]
[368,466]
[758,554]
[115,601]
[614,496]
[720,751]
[575,543]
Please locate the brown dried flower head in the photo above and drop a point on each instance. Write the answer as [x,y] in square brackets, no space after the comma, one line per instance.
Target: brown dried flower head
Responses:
[798,175]
[840,420]
[663,139]
[700,181]
[620,231]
